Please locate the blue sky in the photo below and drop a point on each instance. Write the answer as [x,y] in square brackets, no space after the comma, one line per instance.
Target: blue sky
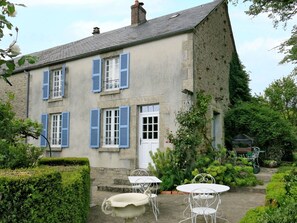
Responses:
[47,23]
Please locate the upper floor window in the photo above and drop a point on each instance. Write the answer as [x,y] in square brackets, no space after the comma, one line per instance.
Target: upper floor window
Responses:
[57,83]
[53,83]
[112,74]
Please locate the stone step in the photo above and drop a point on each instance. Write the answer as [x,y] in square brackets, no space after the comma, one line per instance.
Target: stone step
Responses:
[115,188]
[256,189]
[118,181]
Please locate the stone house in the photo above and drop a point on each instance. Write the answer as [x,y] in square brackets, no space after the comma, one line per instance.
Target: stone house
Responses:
[113,96]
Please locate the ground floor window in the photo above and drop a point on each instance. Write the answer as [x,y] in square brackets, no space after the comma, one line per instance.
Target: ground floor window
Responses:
[111,127]
[56,129]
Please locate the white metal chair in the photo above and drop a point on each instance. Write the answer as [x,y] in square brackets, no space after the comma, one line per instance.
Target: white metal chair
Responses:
[204,178]
[204,207]
[150,188]
[138,172]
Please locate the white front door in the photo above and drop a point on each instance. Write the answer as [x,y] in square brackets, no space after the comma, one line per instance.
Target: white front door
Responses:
[148,134]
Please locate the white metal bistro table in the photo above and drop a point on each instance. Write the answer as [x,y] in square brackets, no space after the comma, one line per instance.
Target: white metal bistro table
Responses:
[188,188]
[144,179]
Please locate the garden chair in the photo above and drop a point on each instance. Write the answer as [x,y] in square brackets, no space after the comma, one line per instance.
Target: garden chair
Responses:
[138,172]
[204,178]
[206,208]
[150,188]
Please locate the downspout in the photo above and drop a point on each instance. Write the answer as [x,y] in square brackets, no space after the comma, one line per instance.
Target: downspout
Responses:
[28,92]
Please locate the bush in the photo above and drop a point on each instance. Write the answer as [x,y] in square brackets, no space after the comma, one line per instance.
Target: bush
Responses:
[45,194]
[281,200]
[14,151]
[267,127]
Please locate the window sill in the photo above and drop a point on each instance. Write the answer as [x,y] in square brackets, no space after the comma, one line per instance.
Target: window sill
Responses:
[54,149]
[110,92]
[55,100]
[111,150]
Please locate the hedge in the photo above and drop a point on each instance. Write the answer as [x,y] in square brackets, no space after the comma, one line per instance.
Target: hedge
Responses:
[281,200]
[45,194]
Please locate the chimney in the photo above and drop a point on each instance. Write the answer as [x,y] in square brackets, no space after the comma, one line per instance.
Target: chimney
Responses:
[138,13]
[96,30]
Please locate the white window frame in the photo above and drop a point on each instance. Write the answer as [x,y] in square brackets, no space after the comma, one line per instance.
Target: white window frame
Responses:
[56,130]
[111,128]
[57,83]
[112,73]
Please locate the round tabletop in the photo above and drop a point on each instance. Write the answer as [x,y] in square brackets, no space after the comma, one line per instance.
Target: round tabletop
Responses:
[188,188]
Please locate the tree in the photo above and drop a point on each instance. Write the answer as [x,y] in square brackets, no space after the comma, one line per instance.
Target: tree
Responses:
[280,11]
[281,96]
[14,151]
[270,131]
[9,59]
[238,82]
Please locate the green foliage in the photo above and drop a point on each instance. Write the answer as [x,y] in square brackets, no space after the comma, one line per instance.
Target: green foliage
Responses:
[190,135]
[166,169]
[225,169]
[45,194]
[280,11]
[238,82]
[281,200]
[255,215]
[266,126]
[281,96]
[14,152]
[65,161]
[8,55]
[192,153]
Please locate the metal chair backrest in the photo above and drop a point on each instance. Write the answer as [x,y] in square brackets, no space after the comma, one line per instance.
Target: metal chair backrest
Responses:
[139,172]
[204,178]
[209,199]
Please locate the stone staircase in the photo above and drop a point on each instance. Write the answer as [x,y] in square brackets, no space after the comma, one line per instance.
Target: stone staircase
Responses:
[119,185]
[264,176]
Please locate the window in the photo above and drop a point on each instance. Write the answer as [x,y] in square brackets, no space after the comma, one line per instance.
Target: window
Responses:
[112,74]
[115,74]
[53,83]
[111,127]
[115,124]
[57,83]
[56,121]
[58,131]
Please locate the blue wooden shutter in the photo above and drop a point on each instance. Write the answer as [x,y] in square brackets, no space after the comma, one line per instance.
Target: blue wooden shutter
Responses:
[45,86]
[96,75]
[124,70]
[95,128]
[44,122]
[124,126]
[63,80]
[65,130]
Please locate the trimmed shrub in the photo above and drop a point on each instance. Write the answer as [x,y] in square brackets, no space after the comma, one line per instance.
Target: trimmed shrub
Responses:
[45,194]
[255,215]
[64,161]
[281,200]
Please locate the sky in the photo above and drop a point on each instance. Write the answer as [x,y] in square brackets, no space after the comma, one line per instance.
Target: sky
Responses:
[44,24]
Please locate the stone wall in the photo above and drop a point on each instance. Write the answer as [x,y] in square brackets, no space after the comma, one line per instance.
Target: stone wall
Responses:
[19,89]
[213,49]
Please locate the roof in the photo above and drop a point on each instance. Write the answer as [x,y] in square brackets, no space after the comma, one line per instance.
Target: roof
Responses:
[161,27]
